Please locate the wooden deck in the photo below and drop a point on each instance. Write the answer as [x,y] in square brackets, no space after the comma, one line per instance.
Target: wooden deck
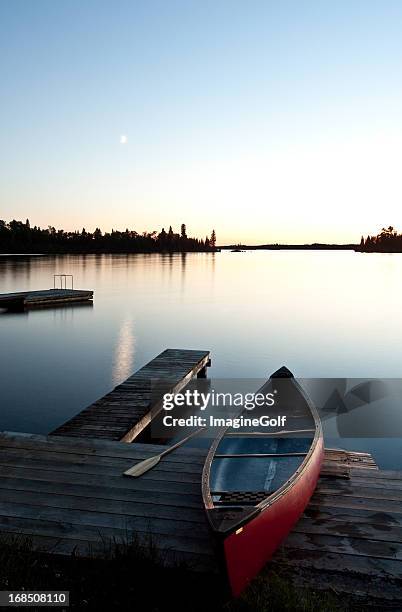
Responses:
[70,495]
[125,412]
[349,540]
[47,297]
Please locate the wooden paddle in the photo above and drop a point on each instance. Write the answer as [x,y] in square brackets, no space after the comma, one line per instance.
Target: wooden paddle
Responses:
[144,466]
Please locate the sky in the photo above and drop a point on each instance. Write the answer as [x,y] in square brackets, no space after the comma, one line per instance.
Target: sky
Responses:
[268,121]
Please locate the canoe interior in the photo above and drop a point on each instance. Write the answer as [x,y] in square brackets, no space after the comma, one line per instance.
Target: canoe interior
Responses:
[256,474]
[239,486]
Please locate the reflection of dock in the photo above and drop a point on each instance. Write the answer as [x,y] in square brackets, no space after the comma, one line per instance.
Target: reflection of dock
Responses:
[47,297]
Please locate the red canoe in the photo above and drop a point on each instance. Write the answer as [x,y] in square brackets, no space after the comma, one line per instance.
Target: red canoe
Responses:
[256,484]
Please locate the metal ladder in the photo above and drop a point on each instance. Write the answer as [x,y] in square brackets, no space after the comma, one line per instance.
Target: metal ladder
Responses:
[62,278]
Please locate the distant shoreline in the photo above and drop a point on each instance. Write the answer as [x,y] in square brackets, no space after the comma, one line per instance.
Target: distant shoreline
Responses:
[238,247]
[293,247]
[97,252]
[242,247]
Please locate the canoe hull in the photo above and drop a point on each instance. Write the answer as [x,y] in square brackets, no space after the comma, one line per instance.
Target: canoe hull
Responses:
[248,550]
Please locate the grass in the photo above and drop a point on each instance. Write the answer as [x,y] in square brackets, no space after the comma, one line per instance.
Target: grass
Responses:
[131,579]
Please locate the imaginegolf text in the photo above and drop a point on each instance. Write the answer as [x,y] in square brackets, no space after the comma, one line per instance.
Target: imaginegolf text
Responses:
[235,423]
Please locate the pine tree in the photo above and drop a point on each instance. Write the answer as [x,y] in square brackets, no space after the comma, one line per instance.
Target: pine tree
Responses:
[162,236]
[212,241]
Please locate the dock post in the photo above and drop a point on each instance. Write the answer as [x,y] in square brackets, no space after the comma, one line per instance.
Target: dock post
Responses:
[203,372]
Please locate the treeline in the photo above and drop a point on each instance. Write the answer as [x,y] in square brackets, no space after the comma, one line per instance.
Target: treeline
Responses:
[20,237]
[387,241]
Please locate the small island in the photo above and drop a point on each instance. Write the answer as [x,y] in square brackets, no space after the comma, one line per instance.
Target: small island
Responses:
[387,241]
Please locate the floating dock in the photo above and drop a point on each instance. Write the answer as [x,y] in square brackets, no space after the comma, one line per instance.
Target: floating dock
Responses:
[39,299]
[126,411]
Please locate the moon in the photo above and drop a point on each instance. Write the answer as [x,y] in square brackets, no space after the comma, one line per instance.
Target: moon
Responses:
[123,139]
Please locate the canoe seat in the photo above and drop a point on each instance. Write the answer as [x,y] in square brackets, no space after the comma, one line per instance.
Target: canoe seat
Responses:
[239,497]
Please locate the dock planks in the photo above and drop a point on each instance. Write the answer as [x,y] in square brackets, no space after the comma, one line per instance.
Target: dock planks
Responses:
[124,413]
[349,539]
[46,297]
[69,495]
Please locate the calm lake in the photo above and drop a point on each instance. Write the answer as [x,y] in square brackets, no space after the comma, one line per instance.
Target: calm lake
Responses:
[322,313]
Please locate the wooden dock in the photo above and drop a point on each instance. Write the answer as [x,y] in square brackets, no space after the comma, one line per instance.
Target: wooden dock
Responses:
[124,413]
[349,539]
[69,494]
[40,299]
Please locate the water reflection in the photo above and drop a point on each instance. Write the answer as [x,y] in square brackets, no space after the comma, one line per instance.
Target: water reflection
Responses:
[124,353]
[60,311]
[183,271]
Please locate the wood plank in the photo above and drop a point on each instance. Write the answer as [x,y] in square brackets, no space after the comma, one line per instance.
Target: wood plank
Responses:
[95,491]
[301,558]
[346,529]
[160,472]
[349,459]
[157,526]
[95,447]
[377,483]
[378,505]
[335,471]
[351,489]
[354,515]
[387,474]
[160,485]
[169,462]
[350,545]
[127,508]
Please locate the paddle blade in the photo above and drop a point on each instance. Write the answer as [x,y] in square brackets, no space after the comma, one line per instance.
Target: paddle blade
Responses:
[144,466]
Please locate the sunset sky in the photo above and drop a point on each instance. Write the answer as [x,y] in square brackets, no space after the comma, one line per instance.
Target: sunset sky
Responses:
[268,121]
